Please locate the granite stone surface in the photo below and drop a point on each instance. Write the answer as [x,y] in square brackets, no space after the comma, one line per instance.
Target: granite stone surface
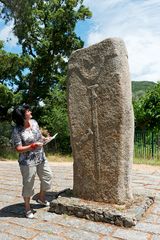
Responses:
[101,121]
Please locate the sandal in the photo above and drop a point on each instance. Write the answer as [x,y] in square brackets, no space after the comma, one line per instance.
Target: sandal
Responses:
[29,214]
[45,203]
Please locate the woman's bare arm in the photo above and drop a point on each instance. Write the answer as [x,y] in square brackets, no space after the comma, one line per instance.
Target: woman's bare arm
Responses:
[29,147]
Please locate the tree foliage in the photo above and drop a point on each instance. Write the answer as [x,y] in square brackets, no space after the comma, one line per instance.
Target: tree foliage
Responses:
[6,96]
[147,109]
[46,31]
[12,68]
[54,116]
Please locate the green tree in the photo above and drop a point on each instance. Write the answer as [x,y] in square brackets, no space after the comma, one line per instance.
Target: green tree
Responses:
[6,101]
[147,109]
[54,118]
[46,31]
[12,68]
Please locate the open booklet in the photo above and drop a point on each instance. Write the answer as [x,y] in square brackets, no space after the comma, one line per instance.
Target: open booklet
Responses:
[50,139]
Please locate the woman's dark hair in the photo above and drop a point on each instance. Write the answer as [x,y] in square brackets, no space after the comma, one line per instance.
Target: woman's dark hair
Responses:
[18,114]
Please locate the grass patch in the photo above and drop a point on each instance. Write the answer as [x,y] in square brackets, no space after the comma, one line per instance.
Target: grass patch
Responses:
[59,158]
[153,162]
[8,154]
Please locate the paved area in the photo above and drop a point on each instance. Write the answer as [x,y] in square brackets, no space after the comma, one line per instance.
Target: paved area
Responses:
[49,226]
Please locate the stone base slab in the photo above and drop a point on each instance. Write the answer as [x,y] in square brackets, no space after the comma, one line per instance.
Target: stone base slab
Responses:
[125,215]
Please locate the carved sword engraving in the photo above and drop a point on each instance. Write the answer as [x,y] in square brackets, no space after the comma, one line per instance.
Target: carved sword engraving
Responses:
[95,126]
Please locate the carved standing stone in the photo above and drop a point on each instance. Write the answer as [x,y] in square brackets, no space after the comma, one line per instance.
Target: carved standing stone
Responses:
[101,121]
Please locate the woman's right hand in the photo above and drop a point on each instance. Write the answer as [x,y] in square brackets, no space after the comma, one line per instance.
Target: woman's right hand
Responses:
[36,144]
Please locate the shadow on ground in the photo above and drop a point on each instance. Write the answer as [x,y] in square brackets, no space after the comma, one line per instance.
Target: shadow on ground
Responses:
[17,210]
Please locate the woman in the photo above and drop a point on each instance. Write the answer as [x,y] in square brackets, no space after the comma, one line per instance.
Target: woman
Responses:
[28,141]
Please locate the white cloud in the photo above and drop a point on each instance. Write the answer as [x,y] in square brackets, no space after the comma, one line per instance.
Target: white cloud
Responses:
[7,35]
[137,23]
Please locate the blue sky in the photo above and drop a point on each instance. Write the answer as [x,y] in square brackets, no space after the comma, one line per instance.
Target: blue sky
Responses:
[135,21]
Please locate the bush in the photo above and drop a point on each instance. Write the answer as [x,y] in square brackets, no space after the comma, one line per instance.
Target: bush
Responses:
[6,150]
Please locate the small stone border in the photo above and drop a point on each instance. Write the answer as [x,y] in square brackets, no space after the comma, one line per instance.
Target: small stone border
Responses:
[121,215]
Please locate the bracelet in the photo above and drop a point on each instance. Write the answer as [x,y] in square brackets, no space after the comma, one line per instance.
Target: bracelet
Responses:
[33,145]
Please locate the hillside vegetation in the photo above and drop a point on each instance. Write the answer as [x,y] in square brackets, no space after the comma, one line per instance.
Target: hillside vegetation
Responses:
[140,87]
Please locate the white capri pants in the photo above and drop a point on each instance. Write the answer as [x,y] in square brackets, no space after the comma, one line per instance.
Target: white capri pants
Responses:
[28,176]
